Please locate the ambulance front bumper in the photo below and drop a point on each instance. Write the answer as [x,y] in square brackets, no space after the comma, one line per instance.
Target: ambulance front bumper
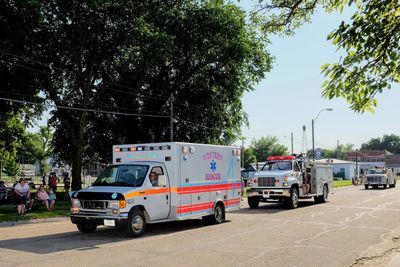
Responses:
[272,193]
[99,219]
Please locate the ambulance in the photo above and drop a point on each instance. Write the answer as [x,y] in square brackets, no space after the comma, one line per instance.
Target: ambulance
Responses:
[160,182]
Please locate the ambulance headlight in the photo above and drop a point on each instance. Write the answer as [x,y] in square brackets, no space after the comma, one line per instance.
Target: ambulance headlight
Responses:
[75,206]
[113,207]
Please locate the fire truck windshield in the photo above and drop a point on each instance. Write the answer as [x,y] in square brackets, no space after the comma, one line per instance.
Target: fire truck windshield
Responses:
[277,165]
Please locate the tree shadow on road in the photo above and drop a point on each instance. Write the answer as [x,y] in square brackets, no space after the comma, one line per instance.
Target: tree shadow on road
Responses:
[273,207]
[77,241]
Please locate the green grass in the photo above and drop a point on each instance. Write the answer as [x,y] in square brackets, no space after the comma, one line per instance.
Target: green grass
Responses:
[8,212]
[337,183]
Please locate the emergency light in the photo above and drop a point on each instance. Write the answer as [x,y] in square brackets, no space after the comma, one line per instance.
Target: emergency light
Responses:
[276,158]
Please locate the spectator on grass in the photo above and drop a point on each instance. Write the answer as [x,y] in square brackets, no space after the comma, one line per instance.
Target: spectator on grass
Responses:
[43,197]
[3,191]
[53,180]
[52,197]
[22,193]
[67,184]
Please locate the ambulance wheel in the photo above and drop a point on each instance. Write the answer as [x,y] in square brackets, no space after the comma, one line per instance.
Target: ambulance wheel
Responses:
[253,202]
[136,224]
[86,227]
[219,214]
[293,201]
[366,187]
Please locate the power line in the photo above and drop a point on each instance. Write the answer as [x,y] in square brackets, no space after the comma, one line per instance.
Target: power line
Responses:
[84,76]
[123,108]
[83,109]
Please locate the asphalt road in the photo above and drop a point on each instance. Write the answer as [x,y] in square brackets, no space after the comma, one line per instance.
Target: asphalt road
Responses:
[356,227]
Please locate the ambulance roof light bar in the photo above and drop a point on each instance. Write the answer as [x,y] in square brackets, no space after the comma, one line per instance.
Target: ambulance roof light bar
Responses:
[277,158]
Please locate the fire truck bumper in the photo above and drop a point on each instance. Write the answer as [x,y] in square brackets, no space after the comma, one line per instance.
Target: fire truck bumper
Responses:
[272,193]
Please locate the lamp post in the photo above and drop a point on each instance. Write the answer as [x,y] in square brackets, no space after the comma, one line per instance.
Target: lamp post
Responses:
[312,127]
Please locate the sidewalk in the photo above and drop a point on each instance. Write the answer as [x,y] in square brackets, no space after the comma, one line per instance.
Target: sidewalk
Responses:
[33,221]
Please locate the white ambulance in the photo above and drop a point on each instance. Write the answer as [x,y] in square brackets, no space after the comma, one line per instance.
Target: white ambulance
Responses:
[159,182]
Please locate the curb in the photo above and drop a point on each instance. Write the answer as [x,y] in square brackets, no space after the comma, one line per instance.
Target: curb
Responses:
[32,221]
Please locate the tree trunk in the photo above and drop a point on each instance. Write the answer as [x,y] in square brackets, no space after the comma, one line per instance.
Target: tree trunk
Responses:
[76,166]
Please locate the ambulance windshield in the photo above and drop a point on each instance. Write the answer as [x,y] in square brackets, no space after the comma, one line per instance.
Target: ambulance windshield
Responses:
[277,166]
[122,175]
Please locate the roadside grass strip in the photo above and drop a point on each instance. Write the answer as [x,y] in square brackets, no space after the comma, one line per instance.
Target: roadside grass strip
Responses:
[337,183]
[8,212]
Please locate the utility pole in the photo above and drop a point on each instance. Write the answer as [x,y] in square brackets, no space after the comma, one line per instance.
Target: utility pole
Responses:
[312,132]
[337,150]
[242,154]
[291,139]
[171,118]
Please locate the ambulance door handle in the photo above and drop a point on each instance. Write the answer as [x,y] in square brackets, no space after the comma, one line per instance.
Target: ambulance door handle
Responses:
[145,198]
[166,197]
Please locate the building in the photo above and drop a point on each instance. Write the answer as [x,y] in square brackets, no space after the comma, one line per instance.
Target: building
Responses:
[366,159]
[393,162]
[342,168]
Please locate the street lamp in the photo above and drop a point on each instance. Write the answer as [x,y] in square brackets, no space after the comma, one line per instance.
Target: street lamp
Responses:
[312,127]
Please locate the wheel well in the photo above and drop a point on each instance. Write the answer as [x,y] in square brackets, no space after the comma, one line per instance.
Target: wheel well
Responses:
[221,203]
[295,186]
[143,210]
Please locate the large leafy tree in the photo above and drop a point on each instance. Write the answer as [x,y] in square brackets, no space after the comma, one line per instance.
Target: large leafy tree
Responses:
[39,146]
[130,57]
[389,142]
[267,146]
[371,41]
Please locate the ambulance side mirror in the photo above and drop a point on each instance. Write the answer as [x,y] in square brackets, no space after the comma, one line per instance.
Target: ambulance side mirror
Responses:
[162,180]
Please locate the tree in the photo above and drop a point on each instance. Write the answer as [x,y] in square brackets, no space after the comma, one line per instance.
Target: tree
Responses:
[371,42]
[339,152]
[248,156]
[130,57]
[39,147]
[10,164]
[389,142]
[267,146]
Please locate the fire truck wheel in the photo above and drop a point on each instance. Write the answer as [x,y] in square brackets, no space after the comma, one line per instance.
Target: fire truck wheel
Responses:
[366,187]
[253,202]
[324,197]
[293,201]
[385,186]
[136,224]
[86,227]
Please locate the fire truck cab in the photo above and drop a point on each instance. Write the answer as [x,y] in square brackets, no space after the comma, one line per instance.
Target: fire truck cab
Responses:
[290,178]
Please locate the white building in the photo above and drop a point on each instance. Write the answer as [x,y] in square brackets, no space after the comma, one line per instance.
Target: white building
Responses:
[342,168]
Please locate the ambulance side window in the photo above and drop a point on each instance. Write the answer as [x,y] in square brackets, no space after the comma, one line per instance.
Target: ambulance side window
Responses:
[158,170]
[154,179]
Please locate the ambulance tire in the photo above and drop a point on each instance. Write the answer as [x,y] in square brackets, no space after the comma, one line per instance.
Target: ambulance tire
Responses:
[293,201]
[253,202]
[136,224]
[218,216]
[86,228]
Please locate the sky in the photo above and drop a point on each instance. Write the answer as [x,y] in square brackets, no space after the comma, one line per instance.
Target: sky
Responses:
[290,96]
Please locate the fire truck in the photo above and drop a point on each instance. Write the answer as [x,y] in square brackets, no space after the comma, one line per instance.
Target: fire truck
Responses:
[290,178]
[380,177]
[160,182]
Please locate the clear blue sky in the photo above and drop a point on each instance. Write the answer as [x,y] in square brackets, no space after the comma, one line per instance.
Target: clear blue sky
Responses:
[290,95]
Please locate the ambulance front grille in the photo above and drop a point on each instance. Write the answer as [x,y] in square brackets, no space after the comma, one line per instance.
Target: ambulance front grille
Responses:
[94,204]
[266,181]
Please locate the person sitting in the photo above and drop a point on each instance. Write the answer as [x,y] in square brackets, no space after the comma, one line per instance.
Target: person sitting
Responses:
[22,193]
[153,179]
[43,197]
[306,184]
[3,191]
[53,198]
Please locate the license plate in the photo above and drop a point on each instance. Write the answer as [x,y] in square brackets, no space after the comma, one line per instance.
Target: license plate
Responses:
[266,194]
[109,222]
